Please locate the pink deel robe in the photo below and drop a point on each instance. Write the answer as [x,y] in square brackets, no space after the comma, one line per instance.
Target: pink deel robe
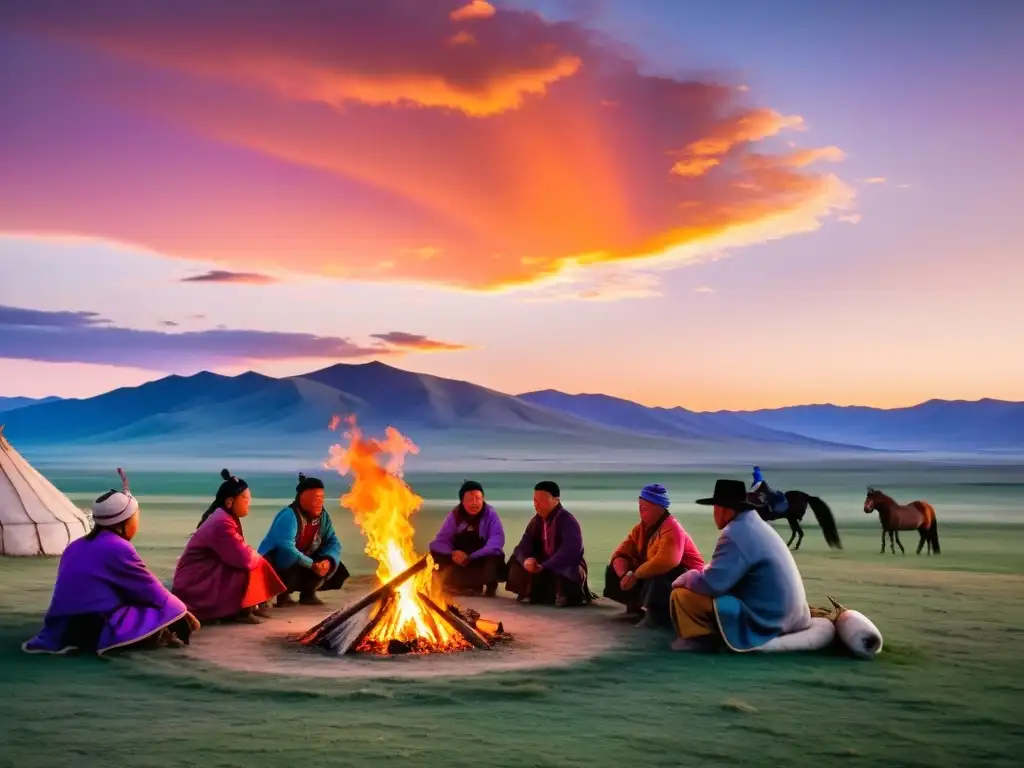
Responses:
[218,574]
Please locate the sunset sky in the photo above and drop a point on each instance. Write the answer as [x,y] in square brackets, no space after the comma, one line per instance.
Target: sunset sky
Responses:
[715,205]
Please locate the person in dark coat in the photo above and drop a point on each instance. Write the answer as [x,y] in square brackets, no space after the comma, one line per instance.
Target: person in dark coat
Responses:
[548,565]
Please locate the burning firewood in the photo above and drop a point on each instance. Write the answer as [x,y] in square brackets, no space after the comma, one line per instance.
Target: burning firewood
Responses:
[402,615]
[461,626]
[338,618]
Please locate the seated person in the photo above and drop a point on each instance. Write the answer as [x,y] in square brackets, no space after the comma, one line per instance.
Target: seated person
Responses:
[644,566]
[470,547]
[219,576]
[548,564]
[303,548]
[105,597]
[751,591]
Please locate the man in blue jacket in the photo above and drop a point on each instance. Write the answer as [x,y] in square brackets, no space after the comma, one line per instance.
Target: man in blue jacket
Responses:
[750,592]
[302,547]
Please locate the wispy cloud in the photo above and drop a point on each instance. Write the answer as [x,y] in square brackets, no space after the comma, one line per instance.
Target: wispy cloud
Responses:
[853,218]
[86,337]
[224,276]
[284,141]
[417,342]
[704,289]
[606,283]
[875,180]
[15,317]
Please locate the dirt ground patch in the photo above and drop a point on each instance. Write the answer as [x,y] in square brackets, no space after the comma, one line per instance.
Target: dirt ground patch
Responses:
[544,637]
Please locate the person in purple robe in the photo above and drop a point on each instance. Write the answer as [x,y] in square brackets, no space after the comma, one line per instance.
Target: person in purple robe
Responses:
[470,547]
[105,597]
[548,564]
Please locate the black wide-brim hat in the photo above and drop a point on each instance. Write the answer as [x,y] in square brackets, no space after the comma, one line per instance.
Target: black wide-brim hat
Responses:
[731,494]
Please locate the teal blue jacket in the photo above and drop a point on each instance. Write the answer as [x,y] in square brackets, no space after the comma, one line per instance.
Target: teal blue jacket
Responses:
[278,546]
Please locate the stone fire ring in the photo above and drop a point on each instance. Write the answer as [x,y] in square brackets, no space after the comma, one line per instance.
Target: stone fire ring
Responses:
[543,637]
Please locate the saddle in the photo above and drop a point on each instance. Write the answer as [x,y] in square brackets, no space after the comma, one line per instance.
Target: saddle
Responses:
[776,503]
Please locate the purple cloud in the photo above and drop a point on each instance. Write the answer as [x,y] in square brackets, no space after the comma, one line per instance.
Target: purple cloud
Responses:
[85,337]
[37,318]
[224,276]
[415,341]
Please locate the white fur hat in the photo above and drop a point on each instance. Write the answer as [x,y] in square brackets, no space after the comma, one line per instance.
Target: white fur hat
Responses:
[115,507]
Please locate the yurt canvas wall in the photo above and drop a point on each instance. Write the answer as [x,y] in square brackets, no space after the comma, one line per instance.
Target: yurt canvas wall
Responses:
[35,517]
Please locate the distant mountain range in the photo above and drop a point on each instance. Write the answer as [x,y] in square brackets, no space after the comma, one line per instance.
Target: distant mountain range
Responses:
[958,426]
[259,417]
[10,403]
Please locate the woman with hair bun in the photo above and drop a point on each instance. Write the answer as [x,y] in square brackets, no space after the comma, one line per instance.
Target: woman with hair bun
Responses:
[219,576]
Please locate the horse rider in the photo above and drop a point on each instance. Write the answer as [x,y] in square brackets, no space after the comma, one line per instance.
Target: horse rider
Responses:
[775,500]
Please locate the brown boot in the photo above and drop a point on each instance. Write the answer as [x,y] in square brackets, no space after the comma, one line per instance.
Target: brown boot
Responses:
[263,611]
[309,598]
[285,600]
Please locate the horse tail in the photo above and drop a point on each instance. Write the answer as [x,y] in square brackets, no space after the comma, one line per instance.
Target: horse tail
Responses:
[825,519]
[933,529]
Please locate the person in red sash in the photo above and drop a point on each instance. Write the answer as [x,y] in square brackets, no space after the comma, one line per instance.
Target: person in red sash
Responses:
[219,576]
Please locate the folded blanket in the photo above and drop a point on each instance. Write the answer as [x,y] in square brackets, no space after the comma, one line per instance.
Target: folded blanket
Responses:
[819,635]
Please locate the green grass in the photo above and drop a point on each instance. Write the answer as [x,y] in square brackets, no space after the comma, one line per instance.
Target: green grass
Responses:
[946,690]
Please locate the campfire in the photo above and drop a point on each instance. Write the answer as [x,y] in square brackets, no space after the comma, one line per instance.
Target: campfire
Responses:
[407,612]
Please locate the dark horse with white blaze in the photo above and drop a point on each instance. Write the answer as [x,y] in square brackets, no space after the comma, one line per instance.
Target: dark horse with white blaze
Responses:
[895,517]
[794,513]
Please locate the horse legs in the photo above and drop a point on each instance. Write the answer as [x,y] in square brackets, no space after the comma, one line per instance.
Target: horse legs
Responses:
[892,541]
[921,543]
[793,527]
[882,550]
[900,544]
[799,531]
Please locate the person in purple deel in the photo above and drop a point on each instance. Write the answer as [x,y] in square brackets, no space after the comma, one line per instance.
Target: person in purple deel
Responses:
[548,564]
[105,597]
[470,547]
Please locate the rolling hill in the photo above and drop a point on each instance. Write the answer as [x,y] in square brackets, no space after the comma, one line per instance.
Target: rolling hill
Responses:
[252,415]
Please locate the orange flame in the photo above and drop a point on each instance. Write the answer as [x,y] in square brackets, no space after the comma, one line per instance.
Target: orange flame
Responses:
[382,504]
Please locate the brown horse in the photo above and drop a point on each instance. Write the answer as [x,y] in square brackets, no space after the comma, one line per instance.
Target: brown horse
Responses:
[899,517]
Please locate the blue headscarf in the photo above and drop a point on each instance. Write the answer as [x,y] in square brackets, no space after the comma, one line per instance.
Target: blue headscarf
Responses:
[656,494]
[758,477]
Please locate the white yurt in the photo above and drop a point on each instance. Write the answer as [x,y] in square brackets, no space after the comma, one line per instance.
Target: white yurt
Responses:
[35,517]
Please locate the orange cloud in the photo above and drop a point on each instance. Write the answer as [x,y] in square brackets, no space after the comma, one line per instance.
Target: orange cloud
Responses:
[475,9]
[875,180]
[853,218]
[503,91]
[462,37]
[309,142]
[414,342]
[798,159]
